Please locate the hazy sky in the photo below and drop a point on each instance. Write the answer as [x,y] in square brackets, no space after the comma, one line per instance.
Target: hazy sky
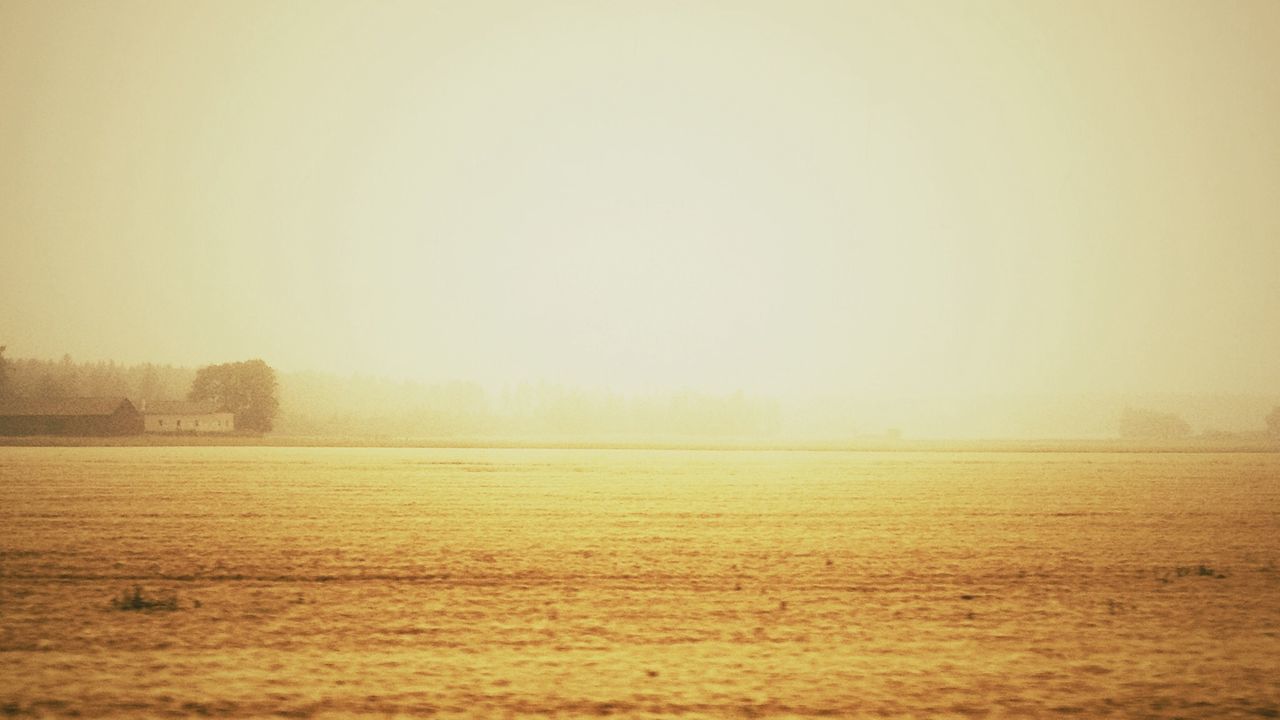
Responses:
[898,197]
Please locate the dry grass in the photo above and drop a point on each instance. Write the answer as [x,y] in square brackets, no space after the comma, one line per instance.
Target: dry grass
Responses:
[533,583]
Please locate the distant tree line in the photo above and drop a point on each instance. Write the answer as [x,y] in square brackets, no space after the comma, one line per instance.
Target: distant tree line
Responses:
[1143,424]
[247,388]
[66,378]
[1152,425]
[363,406]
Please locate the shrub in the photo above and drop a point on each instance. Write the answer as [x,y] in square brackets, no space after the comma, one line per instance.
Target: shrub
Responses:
[135,601]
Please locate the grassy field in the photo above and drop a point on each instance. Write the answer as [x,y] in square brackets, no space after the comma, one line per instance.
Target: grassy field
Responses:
[336,582]
[1244,443]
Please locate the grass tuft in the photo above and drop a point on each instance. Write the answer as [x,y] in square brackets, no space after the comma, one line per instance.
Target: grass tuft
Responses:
[136,601]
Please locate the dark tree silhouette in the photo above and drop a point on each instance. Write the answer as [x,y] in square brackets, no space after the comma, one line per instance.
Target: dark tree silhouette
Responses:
[247,389]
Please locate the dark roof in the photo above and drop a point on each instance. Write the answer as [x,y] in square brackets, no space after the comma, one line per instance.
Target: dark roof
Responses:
[61,407]
[179,407]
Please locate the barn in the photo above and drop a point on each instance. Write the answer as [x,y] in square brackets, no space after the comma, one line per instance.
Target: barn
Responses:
[181,416]
[69,416]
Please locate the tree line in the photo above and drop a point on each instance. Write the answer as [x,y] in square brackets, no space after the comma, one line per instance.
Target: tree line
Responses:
[248,389]
[318,404]
[327,405]
[1146,424]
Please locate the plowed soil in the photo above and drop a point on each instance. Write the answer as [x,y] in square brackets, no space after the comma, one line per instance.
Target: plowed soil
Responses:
[305,582]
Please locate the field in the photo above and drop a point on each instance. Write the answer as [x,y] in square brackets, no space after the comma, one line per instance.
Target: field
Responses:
[312,582]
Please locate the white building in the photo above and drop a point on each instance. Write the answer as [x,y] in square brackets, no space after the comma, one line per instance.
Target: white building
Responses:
[181,416]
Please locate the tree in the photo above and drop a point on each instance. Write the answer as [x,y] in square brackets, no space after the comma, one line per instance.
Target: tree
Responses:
[1149,424]
[4,374]
[149,385]
[247,389]
[1273,422]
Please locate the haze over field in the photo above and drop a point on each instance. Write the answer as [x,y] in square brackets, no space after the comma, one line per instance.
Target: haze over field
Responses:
[584,358]
[884,205]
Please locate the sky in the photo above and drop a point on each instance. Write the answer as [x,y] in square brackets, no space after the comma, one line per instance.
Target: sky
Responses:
[786,198]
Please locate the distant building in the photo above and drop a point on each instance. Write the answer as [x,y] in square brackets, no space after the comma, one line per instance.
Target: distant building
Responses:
[69,416]
[181,416]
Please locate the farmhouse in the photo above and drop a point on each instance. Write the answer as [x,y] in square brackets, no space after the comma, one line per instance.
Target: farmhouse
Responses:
[181,416]
[69,416]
